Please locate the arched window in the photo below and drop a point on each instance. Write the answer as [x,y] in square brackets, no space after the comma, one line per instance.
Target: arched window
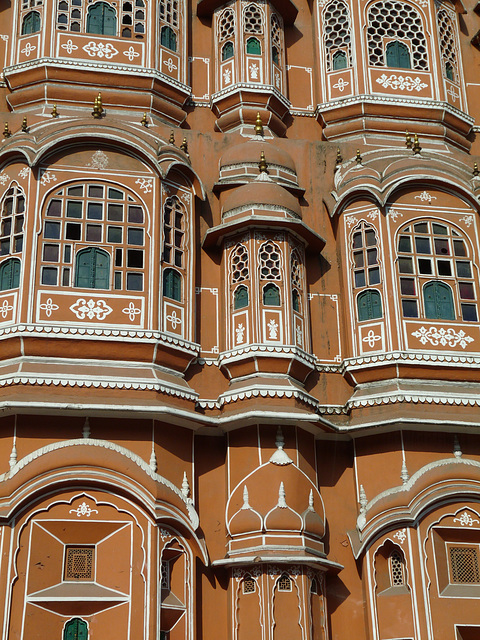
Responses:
[226,25]
[102,19]
[239,264]
[92,269]
[397,569]
[11,230]
[275,55]
[248,584]
[174,232]
[436,272]
[254,47]
[227,51]
[240,297]
[276,37]
[75,629]
[369,305]
[366,270]
[448,46]
[168,38]
[270,262]
[398,55]
[392,19]
[10,274]
[253,19]
[296,300]
[172,284]
[337,36]
[271,295]
[284,583]
[31,23]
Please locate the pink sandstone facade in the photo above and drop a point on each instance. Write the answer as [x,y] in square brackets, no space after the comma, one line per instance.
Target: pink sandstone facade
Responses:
[239,320]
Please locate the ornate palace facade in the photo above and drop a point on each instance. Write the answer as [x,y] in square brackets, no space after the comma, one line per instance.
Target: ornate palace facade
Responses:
[239,320]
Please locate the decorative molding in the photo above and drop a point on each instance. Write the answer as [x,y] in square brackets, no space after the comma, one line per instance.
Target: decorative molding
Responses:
[83,510]
[401,83]
[440,335]
[401,535]
[466,519]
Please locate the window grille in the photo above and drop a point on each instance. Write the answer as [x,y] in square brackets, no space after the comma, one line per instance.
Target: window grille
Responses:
[165,582]
[248,585]
[169,12]
[11,229]
[448,46]
[226,25]
[433,260]
[276,33]
[239,263]
[366,269]
[392,19]
[253,19]
[337,38]
[397,569]
[295,270]
[79,563]
[174,232]
[29,4]
[284,583]
[464,565]
[270,261]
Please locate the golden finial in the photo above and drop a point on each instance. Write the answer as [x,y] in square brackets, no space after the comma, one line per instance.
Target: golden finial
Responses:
[408,140]
[262,165]
[476,172]
[54,111]
[6,131]
[171,140]
[184,146]
[24,125]
[338,159]
[144,120]
[98,107]
[416,145]
[358,157]
[258,125]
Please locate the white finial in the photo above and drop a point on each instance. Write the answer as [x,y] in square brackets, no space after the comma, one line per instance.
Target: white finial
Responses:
[363,500]
[13,456]
[310,501]
[185,486]
[282,503]
[280,457]
[404,473]
[457,452]
[153,460]
[245,498]
[86,429]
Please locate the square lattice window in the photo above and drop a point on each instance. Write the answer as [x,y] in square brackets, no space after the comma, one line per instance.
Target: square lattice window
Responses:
[464,565]
[79,563]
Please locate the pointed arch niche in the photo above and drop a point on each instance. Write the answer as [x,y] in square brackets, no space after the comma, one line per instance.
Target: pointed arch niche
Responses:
[176,586]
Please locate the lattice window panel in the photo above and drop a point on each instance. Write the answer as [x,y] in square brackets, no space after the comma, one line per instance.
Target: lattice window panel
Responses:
[336,21]
[296,270]
[239,264]
[276,33]
[79,563]
[169,12]
[29,4]
[165,580]
[397,569]
[284,583]
[448,45]
[270,262]
[248,585]
[253,19]
[366,269]
[464,565]
[11,229]
[226,25]
[174,232]
[392,19]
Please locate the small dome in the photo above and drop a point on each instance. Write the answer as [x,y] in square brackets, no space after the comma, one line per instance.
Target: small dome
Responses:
[282,517]
[249,153]
[262,194]
[312,522]
[246,519]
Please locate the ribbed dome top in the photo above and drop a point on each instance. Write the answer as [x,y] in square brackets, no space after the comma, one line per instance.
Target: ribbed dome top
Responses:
[249,152]
[262,192]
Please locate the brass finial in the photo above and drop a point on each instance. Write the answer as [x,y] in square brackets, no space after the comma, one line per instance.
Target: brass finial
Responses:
[258,125]
[98,107]
[408,140]
[6,131]
[338,159]
[262,165]
[184,146]
[144,120]
[358,157]
[171,140]
[416,146]
[476,172]
[24,125]
[54,111]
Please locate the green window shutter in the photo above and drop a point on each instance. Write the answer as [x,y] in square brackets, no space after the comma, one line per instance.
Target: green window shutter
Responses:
[339,60]
[102,19]
[76,629]
[92,269]
[240,297]
[172,284]
[369,305]
[271,295]
[168,38]
[227,51]
[9,274]
[398,55]
[254,47]
[109,21]
[438,300]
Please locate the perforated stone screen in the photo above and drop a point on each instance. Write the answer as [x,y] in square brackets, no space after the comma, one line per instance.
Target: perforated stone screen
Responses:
[79,563]
[464,565]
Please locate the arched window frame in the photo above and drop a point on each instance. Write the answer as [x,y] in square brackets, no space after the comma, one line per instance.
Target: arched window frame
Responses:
[253,46]
[448,44]
[168,38]
[228,50]
[101,19]
[175,254]
[12,221]
[398,55]
[396,566]
[10,271]
[271,295]
[171,23]
[75,629]
[373,300]
[96,278]
[337,33]
[365,256]
[240,297]
[31,23]
[172,284]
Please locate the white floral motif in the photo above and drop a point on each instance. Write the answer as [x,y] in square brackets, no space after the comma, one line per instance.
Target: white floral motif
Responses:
[299,334]
[5,308]
[69,47]
[170,65]
[174,319]
[442,336]
[83,510]
[98,309]
[145,184]
[401,535]
[272,329]
[99,160]
[466,519]
[131,53]
[350,220]
[28,49]
[467,220]
[100,50]
[227,76]
[4,178]
[394,214]
[186,197]
[23,173]
[277,80]
[401,82]
[131,311]
[454,95]
[48,307]
[254,69]
[341,85]
[371,338]
[48,177]
[425,197]
[240,333]
[372,214]
[164,534]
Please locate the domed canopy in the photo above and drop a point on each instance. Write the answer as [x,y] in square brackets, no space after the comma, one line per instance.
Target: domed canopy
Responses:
[263,194]
[249,153]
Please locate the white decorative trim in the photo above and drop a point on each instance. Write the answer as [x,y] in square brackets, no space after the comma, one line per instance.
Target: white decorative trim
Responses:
[466,519]
[401,535]
[445,337]
[401,82]
[226,357]
[258,391]
[83,510]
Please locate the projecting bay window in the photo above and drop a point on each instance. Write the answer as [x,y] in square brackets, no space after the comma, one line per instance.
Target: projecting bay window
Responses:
[123,19]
